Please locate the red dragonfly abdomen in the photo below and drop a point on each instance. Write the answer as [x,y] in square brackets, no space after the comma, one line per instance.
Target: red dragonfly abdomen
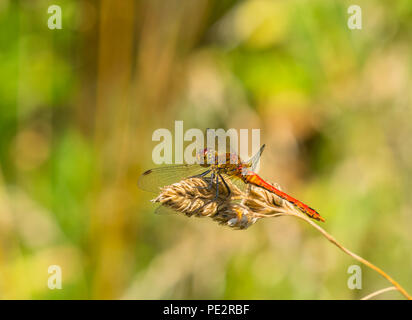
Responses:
[254,179]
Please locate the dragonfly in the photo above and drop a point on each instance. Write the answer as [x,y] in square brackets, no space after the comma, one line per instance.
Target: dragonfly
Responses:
[216,169]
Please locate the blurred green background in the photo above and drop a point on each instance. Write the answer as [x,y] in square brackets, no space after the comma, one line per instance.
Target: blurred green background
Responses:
[78,107]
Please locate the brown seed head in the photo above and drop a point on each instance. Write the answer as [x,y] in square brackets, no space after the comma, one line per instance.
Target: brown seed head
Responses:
[239,210]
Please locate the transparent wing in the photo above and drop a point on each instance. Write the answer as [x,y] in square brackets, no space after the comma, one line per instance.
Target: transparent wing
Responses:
[255,159]
[154,179]
[239,183]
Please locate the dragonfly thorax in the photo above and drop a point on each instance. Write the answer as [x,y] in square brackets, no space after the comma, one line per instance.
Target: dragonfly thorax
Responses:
[208,157]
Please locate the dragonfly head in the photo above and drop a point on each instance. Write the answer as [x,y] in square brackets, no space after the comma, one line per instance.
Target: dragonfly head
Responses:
[206,157]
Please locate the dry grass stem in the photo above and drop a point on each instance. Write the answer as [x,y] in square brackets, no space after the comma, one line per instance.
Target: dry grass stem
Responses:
[243,208]
[376,293]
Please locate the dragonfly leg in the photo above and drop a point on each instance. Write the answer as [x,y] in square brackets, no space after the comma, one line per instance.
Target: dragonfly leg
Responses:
[217,187]
[229,192]
[202,175]
[214,177]
[209,181]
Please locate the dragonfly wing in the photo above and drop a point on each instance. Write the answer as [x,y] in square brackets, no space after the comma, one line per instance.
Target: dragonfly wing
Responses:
[236,181]
[154,179]
[255,159]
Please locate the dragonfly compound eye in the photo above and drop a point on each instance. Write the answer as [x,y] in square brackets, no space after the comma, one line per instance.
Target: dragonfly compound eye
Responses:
[210,157]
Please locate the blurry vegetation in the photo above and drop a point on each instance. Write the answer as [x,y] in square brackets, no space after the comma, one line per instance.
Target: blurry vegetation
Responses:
[78,107]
